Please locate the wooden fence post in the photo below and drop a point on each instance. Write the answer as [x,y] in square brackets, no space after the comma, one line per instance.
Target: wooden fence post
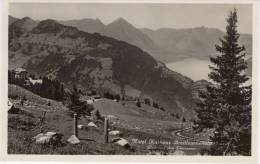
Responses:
[75,125]
[106,126]
[44,115]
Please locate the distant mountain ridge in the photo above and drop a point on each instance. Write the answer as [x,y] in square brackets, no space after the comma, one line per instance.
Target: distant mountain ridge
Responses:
[95,61]
[88,25]
[178,44]
[119,29]
[165,44]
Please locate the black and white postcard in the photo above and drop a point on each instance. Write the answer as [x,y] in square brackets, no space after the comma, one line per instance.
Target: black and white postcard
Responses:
[156,79]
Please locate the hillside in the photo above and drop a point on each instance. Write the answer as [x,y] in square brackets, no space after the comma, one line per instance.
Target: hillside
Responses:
[93,61]
[24,125]
[144,123]
[37,101]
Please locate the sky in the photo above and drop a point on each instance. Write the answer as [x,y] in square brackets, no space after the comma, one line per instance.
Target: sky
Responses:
[153,16]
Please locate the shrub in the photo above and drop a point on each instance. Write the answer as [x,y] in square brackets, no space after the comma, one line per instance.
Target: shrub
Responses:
[138,103]
[155,105]
[183,119]
[147,101]
[117,97]
[162,109]
[109,95]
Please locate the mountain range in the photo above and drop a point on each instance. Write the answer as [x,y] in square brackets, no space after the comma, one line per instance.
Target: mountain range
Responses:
[114,57]
[93,61]
[165,44]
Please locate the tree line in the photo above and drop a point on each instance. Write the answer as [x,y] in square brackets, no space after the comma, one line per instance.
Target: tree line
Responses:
[51,89]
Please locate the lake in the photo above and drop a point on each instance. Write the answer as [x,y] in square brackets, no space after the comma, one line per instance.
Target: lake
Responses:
[195,69]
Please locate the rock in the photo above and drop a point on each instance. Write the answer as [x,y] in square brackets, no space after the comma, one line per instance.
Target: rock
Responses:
[73,140]
[90,102]
[11,108]
[50,134]
[38,136]
[122,142]
[51,138]
[43,140]
[10,104]
[91,124]
[80,126]
[178,152]
[114,132]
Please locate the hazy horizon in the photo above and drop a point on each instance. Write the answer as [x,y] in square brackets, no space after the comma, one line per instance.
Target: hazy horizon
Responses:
[152,16]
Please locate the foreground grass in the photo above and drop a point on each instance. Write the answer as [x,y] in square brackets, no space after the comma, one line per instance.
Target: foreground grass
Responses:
[21,143]
[23,127]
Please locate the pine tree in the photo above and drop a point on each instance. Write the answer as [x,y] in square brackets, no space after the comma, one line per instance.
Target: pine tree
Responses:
[226,106]
[77,106]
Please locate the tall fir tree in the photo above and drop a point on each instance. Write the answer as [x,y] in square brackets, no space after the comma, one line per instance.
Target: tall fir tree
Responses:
[81,108]
[226,105]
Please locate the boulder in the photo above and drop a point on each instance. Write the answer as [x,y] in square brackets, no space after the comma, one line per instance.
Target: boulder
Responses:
[122,142]
[114,133]
[51,138]
[80,126]
[91,124]
[90,102]
[73,140]
[50,134]
[11,108]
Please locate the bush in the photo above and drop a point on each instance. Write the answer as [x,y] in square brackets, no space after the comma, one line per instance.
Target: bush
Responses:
[109,96]
[138,103]
[147,101]
[155,105]
[183,119]
[162,109]
[117,97]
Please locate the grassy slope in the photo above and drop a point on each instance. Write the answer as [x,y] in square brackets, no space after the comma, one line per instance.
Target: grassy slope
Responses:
[24,125]
[144,123]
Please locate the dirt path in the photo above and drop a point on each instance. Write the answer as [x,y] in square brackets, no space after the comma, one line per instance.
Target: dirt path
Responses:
[177,133]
